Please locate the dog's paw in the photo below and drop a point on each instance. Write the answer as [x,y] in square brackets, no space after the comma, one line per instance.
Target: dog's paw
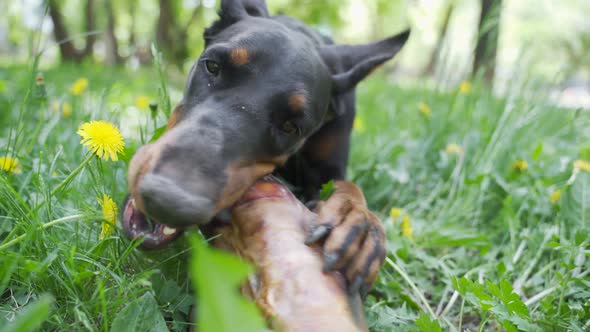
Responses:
[354,238]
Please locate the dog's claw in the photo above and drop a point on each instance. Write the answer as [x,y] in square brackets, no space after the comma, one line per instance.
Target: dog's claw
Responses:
[330,261]
[318,233]
[355,285]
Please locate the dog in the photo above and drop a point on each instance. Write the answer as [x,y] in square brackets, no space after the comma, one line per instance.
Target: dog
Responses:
[268,95]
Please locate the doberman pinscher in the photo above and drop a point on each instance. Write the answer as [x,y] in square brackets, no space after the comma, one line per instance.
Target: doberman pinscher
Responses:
[267,95]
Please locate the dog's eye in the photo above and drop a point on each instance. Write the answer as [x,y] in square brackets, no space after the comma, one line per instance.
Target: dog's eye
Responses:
[212,67]
[289,127]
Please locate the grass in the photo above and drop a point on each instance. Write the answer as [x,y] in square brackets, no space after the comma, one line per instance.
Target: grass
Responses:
[485,248]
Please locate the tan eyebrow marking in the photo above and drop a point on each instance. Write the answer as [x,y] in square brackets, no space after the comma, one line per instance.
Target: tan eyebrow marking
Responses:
[239,56]
[297,101]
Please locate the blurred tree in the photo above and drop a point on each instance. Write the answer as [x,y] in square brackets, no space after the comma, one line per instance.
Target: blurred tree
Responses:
[171,34]
[487,39]
[67,49]
[444,26]
[112,55]
[324,14]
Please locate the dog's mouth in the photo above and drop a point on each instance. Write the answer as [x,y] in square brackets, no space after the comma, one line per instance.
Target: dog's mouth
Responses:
[137,225]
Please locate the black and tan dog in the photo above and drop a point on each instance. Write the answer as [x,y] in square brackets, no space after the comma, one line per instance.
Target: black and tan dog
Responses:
[267,95]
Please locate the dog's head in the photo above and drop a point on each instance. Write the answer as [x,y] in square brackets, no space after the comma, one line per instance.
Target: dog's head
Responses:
[257,91]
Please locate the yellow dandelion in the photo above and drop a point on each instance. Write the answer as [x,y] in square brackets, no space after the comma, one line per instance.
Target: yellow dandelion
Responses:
[465,87]
[79,86]
[407,229]
[109,212]
[359,125]
[520,165]
[55,106]
[453,149]
[102,138]
[66,110]
[394,213]
[425,109]
[10,164]
[555,196]
[142,102]
[582,165]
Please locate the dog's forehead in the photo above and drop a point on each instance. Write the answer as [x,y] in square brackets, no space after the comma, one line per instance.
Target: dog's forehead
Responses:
[267,37]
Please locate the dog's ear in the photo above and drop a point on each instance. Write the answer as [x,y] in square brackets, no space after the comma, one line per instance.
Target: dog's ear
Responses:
[355,62]
[232,11]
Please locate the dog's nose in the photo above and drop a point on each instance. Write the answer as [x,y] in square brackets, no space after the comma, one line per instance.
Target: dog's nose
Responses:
[171,204]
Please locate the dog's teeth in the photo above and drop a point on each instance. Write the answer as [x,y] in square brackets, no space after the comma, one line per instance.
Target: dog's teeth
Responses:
[168,230]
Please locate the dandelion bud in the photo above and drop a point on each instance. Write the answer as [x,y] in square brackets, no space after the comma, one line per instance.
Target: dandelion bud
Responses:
[40,92]
[154,108]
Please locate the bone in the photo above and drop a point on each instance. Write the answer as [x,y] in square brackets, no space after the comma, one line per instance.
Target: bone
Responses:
[268,229]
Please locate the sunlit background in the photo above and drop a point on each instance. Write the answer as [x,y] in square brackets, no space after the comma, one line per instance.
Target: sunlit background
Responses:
[547,41]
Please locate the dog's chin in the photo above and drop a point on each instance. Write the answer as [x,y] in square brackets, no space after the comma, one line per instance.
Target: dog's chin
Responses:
[138,226]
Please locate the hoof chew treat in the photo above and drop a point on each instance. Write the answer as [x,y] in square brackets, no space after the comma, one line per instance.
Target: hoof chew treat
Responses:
[268,229]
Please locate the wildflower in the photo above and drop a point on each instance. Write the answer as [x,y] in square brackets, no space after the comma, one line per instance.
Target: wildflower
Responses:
[142,102]
[39,91]
[395,213]
[79,86]
[582,165]
[66,109]
[109,212]
[520,165]
[425,109]
[407,229]
[406,225]
[10,164]
[465,87]
[102,138]
[554,197]
[359,125]
[453,149]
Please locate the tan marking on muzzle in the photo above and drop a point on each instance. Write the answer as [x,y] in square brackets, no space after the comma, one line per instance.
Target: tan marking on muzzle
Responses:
[143,162]
[239,56]
[239,178]
[175,117]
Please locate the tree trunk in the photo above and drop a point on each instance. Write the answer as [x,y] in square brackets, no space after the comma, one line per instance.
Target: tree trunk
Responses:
[436,54]
[112,46]
[171,36]
[90,26]
[66,47]
[487,39]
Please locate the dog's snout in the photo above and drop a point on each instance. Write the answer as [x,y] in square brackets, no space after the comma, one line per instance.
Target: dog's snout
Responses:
[170,203]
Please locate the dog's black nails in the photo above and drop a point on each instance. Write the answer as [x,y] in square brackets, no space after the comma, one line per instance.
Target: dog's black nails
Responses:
[364,290]
[330,260]
[318,233]
[355,285]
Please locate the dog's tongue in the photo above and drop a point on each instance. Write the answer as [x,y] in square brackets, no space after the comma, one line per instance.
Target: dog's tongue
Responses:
[137,225]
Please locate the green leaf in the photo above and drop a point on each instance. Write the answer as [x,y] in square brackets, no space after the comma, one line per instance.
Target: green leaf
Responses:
[159,132]
[537,152]
[142,314]
[511,300]
[216,277]
[327,190]
[31,316]
[426,325]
